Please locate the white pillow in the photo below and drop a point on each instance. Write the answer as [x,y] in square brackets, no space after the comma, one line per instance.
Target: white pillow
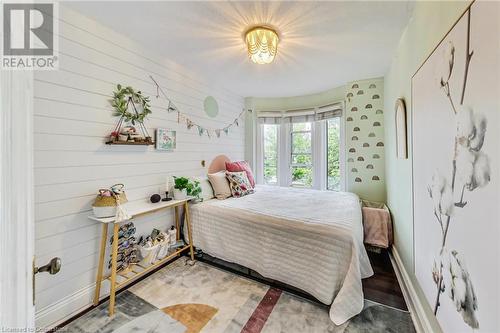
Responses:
[220,184]
[207,192]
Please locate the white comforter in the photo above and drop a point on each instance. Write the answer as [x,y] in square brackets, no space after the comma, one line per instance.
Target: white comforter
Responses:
[312,240]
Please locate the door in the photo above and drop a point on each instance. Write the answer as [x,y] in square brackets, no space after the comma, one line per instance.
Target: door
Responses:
[16,200]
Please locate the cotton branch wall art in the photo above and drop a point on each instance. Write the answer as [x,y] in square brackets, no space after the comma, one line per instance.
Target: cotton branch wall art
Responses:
[455,171]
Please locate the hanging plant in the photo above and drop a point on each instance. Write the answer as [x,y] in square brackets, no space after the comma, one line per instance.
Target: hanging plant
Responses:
[120,102]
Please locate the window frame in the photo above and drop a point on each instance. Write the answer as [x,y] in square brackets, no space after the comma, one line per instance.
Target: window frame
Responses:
[319,146]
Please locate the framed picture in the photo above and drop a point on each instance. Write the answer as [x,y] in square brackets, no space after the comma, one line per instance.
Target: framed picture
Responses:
[165,139]
[401,135]
[455,136]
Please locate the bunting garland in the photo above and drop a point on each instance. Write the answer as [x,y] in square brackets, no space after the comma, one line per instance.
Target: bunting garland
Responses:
[181,118]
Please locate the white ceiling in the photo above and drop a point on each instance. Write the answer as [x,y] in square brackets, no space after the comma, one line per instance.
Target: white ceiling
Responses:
[323,44]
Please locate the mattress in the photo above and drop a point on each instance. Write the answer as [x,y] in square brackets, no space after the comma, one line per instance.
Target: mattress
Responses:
[309,239]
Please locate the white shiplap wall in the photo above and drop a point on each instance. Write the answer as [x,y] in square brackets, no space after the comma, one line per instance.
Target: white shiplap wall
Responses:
[72,118]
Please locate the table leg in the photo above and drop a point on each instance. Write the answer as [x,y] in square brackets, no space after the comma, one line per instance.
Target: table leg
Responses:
[177,224]
[100,268]
[189,230]
[114,255]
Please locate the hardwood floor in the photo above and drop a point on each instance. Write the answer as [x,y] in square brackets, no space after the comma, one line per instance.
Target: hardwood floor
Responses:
[382,287]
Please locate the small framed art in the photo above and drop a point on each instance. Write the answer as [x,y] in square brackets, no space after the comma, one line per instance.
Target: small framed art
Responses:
[165,139]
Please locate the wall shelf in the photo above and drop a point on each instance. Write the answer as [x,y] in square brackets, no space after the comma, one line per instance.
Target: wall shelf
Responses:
[126,143]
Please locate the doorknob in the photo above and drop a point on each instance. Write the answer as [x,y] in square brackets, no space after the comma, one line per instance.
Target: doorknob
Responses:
[53,267]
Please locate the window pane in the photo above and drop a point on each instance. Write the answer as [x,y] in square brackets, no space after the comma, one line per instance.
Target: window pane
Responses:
[333,154]
[301,142]
[270,153]
[301,176]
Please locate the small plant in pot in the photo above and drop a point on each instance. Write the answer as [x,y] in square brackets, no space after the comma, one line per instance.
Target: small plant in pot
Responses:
[183,188]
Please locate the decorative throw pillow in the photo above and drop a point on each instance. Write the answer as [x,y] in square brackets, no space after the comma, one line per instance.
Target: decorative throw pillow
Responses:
[239,184]
[220,184]
[241,166]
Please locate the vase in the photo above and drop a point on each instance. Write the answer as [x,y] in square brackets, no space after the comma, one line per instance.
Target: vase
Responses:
[180,194]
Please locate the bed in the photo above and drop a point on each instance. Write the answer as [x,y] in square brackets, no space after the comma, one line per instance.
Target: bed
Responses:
[312,240]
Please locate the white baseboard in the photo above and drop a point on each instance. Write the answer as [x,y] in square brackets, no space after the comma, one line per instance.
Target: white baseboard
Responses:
[415,304]
[57,313]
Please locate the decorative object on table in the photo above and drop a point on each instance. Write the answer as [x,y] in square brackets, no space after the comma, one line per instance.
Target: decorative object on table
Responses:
[182,118]
[155,198]
[239,184]
[167,198]
[127,247]
[165,139]
[211,106]
[107,200]
[123,99]
[185,187]
[456,132]
[401,133]
[180,188]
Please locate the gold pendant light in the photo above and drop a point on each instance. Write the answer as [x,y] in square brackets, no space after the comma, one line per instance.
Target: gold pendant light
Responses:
[262,44]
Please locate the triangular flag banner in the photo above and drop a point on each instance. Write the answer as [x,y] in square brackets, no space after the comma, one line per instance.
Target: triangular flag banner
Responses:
[182,118]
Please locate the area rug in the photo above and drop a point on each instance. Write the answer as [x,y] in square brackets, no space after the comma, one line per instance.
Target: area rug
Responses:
[203,299]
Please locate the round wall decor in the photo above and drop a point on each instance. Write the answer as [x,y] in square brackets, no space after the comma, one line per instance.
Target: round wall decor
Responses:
[211,107]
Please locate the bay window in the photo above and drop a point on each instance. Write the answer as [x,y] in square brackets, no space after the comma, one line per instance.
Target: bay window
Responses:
[301,148]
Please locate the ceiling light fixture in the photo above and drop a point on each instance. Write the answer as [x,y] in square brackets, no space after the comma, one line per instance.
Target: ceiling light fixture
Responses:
[262,44]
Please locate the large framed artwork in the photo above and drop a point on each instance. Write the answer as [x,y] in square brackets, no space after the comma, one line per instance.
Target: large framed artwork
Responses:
[455,113]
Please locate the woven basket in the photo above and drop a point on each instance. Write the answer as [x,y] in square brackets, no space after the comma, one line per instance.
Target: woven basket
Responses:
[105,205]
[105,201]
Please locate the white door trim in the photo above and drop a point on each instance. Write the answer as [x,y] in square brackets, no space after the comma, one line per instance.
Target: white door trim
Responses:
[16,200]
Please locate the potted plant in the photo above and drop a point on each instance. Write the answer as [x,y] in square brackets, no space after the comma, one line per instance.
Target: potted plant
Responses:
[180,188]
[183,188]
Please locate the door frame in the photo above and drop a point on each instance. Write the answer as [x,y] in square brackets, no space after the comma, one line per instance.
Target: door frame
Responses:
[17,224]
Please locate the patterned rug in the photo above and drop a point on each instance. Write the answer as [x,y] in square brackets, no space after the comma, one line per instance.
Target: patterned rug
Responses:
[201,298]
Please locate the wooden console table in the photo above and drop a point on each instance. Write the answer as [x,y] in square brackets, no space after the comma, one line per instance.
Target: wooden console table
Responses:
[135,271]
